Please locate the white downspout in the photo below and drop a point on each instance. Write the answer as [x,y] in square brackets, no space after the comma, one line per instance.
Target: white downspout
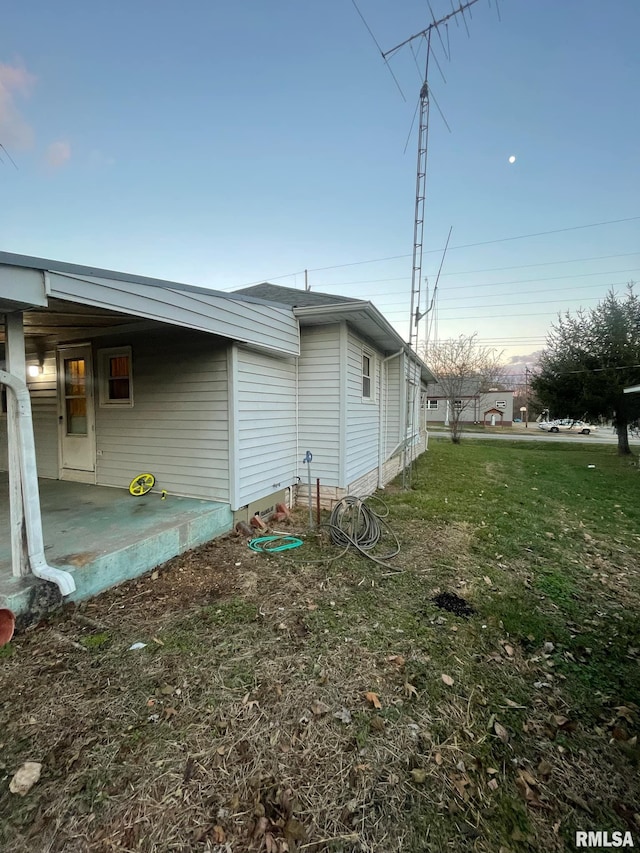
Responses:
[30,495]
[383,412]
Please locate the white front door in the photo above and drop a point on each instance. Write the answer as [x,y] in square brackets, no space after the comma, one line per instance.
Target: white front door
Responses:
[76,414]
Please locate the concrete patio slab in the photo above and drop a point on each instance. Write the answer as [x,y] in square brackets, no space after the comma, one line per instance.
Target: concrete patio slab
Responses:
[104,535]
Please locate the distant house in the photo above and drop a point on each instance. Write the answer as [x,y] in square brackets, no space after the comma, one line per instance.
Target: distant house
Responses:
[218,395]
[491,408]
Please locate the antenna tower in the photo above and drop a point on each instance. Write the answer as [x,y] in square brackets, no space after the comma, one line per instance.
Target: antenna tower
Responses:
[421,170]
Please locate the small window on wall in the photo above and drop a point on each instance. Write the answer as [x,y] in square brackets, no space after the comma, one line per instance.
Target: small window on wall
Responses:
[115,379]
[501,404]
[367,362]
[457,404]
[432,404]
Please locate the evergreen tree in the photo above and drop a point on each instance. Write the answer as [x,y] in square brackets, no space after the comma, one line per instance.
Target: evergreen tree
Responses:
[588,361]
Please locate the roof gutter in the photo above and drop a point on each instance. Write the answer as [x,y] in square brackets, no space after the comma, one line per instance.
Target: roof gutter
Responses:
[30,494]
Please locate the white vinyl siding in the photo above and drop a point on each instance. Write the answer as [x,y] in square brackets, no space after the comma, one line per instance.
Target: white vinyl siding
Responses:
[260,325]
[393,404]
[412,399]
[177,428]
[319,378]
[44,408]
[265,425]
[363,421]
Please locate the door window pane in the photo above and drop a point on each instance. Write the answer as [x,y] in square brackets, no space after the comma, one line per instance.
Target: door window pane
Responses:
[74,377]
[75,391]
[76,415]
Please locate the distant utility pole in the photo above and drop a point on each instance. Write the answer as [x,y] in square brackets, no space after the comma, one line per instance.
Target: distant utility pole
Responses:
[421,171]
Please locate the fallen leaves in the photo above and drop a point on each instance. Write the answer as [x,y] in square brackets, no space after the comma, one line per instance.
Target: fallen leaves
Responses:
[502,733]
[374,699]
[410,690]
[344,715]
[529,788]
[319,709]
[447,679]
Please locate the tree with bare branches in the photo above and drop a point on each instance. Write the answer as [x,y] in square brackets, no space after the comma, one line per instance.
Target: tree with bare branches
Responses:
[464,370]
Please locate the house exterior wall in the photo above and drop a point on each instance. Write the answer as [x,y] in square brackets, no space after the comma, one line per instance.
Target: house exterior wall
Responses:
[44,408]
[363,415]
[264,425]
[319,403]
[392,415]
[178,426]
[491,400]
[351,438]
[475,407]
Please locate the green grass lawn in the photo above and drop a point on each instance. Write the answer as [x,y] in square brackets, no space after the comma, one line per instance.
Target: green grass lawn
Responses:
[288,705]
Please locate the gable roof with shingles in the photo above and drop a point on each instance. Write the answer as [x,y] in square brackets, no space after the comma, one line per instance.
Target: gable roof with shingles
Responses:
[312,306]
[291,296]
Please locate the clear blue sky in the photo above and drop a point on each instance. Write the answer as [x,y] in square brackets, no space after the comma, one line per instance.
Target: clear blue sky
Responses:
[223,143]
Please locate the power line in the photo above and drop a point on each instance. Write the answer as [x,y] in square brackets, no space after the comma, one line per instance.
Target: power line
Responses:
[525,281]
[495,269]
[546,290]
[491,305]
[439,251]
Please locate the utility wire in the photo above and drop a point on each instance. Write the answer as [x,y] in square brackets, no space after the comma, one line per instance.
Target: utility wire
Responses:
[9,156]
[474,286]
[493,269]
[439,251]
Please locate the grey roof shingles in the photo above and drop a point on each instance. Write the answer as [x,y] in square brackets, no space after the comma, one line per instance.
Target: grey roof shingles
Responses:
[292,296]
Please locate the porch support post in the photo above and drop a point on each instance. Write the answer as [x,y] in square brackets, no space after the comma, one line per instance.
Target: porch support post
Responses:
[15,361]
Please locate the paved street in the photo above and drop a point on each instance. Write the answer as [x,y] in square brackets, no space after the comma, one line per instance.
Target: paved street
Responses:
[520,433]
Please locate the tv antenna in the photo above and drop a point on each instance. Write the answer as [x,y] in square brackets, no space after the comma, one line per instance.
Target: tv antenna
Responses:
[421,170]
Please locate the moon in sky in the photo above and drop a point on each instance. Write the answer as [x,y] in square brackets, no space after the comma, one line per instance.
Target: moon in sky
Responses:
[512,159]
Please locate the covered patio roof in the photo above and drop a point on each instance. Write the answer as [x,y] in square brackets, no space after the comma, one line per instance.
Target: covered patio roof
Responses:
[65,301]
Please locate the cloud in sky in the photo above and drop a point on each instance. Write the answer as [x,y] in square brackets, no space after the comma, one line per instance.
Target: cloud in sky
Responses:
[15,83]
[57,154]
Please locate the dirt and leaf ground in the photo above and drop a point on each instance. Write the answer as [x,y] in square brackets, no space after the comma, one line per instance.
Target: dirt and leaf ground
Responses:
[285,705]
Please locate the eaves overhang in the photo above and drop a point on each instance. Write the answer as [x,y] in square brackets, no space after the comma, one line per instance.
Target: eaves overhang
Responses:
[365,318]
[38,283]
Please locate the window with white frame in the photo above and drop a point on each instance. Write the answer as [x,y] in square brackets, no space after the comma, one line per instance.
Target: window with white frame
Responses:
[457,404]
[501,404]
[432,404]
[367,375]
[115,377]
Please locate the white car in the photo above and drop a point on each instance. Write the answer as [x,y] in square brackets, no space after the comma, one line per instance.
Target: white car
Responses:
[567,425]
